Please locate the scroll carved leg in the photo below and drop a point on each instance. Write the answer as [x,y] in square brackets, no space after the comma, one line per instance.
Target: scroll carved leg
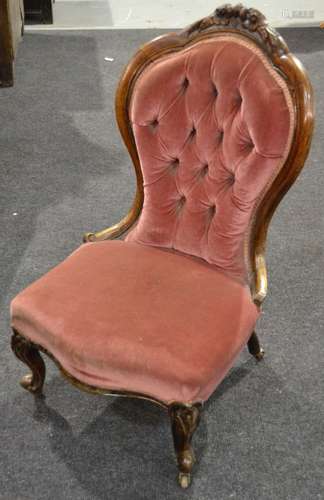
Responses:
[184,422]
[28,353]
[254,347]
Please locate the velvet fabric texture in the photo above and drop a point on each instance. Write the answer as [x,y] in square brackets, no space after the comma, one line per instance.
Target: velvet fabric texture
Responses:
[213,125]
[131,317]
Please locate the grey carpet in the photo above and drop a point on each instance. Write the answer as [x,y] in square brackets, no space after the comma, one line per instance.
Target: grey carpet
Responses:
[64,171]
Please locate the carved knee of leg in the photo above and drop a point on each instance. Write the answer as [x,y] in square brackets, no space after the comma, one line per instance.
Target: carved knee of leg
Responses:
[28,353]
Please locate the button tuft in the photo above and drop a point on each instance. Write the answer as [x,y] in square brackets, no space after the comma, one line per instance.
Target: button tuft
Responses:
[212,211]
[174,165]
[185,83]
[181,202]
[204,170]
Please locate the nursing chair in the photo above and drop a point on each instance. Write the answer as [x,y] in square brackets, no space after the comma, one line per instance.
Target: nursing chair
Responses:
[218,121]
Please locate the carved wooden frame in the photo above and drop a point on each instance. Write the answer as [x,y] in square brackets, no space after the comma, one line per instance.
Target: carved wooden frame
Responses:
[251,24]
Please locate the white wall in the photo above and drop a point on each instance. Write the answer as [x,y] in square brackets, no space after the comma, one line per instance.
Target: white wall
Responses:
[178,13]
[174,13]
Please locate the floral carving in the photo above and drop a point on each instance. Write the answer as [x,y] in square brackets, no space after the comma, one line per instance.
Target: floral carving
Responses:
[250,19]
[242,19]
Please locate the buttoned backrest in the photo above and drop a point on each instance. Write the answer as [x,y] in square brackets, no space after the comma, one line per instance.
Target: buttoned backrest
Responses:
[213,125]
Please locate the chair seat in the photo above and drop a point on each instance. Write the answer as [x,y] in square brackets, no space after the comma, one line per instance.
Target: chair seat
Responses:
[125,316]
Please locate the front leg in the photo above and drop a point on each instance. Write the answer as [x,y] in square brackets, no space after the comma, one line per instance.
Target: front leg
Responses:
[184,422]
[28,353]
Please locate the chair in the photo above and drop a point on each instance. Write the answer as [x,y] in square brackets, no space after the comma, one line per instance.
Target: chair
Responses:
[218,122]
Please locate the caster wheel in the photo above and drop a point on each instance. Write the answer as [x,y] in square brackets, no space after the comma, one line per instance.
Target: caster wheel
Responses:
[260,355]
[27,383]
[184,480]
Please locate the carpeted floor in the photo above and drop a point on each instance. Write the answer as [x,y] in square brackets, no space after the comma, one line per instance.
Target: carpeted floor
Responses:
[64,171]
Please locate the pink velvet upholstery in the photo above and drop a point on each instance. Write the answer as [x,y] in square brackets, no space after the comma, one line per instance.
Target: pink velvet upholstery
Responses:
[213,125]
[125,316]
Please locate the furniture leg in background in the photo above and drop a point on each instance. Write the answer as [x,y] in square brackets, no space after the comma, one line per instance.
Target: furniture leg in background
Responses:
[38,11]
[11,31]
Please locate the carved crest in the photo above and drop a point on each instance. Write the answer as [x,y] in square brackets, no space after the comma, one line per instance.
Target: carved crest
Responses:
[242,19]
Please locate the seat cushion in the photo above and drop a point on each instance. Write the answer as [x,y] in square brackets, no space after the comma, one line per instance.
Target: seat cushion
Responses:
[125,316]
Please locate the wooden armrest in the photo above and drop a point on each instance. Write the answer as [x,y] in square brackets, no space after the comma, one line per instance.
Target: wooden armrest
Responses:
[261,280]
[121,227]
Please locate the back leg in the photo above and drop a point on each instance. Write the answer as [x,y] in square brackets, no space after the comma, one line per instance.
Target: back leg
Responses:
[254,347]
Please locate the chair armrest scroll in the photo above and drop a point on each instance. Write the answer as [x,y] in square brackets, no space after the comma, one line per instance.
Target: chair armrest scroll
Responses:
[121,227]
[261,280]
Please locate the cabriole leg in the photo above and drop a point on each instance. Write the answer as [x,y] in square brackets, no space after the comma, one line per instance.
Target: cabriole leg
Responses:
[28,353]
[254,347]
[184,422]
